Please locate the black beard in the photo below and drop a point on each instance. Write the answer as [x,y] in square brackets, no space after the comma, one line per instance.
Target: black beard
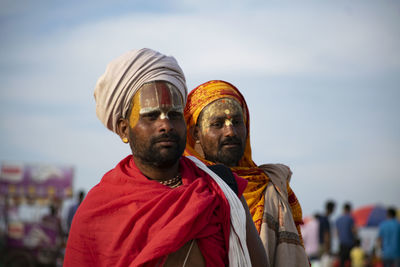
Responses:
[230,157]
[153,155]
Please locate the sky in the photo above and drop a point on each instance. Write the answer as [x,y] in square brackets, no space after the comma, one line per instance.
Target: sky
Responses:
[321,79]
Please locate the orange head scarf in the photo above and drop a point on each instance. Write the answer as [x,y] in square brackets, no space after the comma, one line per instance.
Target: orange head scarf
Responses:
[197,100]
[254,194]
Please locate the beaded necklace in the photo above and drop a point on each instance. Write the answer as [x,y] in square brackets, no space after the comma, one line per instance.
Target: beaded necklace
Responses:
[173,182]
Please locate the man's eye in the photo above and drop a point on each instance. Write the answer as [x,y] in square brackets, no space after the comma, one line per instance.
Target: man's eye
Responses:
[174,115]
[151,115]
[216,124]
[236,122]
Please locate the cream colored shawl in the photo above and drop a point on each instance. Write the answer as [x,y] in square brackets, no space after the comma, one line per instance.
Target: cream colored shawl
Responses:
[238,251]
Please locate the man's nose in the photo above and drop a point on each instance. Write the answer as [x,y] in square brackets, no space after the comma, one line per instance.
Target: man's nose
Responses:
[165,125]
[229,130]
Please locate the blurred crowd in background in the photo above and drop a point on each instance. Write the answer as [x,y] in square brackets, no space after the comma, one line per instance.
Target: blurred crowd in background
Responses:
[368,236]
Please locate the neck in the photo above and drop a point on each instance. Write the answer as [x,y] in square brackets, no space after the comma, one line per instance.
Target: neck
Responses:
[157,173]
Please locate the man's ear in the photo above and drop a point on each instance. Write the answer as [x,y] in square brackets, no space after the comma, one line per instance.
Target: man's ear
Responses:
[123,129]
[194,131]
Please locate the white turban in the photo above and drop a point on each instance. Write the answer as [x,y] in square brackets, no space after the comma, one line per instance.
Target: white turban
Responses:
[126,74]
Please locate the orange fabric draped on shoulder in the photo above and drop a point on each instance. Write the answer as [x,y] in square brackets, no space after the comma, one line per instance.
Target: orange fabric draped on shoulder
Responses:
[197,100]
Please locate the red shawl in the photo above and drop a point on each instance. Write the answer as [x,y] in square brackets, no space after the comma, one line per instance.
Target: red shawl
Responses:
[128,220]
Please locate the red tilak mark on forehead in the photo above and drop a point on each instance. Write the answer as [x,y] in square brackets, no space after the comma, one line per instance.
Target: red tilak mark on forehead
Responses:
[164,95]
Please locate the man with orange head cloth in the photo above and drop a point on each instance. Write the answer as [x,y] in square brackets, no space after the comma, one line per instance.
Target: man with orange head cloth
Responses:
[157,208]
[217,118]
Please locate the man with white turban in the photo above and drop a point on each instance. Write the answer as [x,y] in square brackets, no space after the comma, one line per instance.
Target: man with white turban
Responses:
[156,207]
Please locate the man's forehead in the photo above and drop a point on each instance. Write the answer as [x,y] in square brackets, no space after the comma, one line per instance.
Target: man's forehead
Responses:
[159,95]
[223,107]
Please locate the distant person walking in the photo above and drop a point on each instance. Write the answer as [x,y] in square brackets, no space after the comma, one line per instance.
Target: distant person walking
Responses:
[346,233]
[389,239]
[325,235]
[310,233]
[73,208]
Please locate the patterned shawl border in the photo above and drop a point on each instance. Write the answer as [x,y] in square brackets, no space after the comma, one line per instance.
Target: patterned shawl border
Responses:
[282,236]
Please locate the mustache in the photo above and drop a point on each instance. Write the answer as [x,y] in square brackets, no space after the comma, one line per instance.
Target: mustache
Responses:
[231,141]
[166,137]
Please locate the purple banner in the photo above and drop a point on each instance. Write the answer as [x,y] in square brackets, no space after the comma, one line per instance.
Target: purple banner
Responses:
[31,235]
[41,181]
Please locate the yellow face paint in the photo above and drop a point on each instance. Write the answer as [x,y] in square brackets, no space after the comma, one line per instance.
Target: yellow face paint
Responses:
[135,111]
[220,112]
[163,116]
[160,97]
[228,122]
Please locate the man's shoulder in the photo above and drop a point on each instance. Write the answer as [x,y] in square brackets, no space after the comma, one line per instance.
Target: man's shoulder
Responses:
[276,168]
[339,219]
[389,224]
[186,164]
[225,173]
[279,174]
[345,219]
[187,161]
[382,225]
[395,222]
